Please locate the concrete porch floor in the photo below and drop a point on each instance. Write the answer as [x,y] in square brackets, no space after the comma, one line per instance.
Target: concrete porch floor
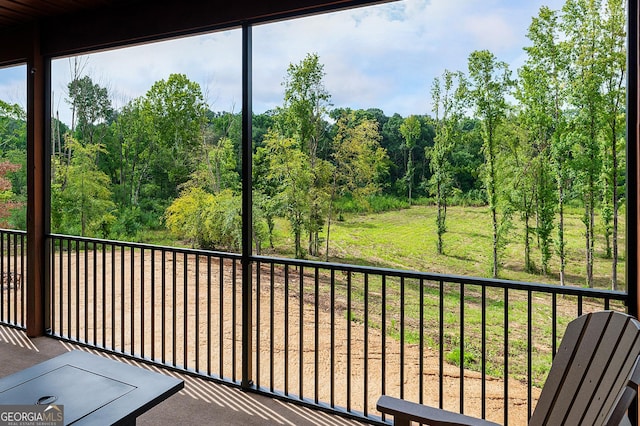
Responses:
[201,402]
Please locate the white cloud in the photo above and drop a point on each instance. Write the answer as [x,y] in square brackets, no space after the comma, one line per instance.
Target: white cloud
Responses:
[383,56]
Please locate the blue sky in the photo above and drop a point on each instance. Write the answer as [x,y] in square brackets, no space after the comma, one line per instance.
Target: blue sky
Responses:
[384,56]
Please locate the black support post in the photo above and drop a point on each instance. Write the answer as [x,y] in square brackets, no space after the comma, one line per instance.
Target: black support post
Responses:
[633,172]
[247,205]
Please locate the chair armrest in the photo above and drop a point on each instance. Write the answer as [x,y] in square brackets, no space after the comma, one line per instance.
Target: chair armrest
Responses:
[404,412]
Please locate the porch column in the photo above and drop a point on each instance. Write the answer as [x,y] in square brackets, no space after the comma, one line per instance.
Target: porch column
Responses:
[633,171]
[38,72]
[247,207]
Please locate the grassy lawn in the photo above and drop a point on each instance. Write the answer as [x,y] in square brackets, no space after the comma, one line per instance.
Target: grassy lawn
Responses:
[406,239]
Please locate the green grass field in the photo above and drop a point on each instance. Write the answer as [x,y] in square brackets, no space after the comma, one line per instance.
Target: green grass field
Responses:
[406,239]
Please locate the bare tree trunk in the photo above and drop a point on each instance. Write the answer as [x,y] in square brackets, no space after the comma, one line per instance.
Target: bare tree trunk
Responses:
[561,236]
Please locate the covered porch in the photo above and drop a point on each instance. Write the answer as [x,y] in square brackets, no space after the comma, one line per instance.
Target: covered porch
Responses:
[306,332]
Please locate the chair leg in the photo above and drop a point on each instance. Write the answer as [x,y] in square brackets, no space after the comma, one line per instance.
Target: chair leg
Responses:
[401,421]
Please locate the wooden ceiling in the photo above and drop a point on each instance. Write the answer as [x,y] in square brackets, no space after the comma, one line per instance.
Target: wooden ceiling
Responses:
[66,27]
[19,12]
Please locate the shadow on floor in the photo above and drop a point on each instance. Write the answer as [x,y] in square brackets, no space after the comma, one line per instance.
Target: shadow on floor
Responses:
[201,402]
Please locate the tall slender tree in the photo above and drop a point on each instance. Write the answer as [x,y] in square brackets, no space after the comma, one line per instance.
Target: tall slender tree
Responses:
[581,24]
[446,95]
[542,98]
[411,131]
[613,56]
[489,84]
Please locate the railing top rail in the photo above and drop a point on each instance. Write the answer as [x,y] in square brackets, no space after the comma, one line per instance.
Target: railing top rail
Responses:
[228,255]
[388,272]
[13,231]
[459,279]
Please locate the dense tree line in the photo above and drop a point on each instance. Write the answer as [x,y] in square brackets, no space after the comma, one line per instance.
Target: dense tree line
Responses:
[524,142]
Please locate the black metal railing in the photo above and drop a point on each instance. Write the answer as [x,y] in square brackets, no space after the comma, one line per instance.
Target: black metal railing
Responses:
[13,268]
[175,307]
[327,335]
[339,336]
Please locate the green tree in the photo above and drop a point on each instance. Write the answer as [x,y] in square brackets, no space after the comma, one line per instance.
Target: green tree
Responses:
[541,94]
[81,196]
[489,85]
[519,177]
[137,152]
[212,221]
[302,117]
[360,162]
[410,130]
[613,56]
[581,24]
[12,127]
[177,113]
[91,105]
[218,171]
[13,166]
[393,142]
[7,197]
[446,96]
[289,166]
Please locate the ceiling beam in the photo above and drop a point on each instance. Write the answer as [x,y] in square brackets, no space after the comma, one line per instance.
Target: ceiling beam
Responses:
[138,22]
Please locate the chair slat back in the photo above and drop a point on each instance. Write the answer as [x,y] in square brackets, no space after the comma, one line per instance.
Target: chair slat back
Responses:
[590,370]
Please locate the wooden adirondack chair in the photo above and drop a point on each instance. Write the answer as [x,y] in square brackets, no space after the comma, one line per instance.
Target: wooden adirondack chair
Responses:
[593,380]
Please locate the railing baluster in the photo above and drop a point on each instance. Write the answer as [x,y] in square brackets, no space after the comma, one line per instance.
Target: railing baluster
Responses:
[286,330]
[483,343]
[461,397]
[301,335]
[441,347]
[113,297]
[529,352]
[153,304]
[349,341]
[506,356]
[316,337]
[402,307]
[258,322]
[185,313]
[554,324]
[142,326]
[271,324]
[52,284]
[365,391]
[95,293]
[209,319]
[333,339]
[197,313]
[163,296]
[123,305]
[12,293]
[77,291]
[3,273]
[221,318]
[132,285]
[104,295]
[86,293]
[69,304]
[383,355]
[174,313]
[234,318]
[9,271]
